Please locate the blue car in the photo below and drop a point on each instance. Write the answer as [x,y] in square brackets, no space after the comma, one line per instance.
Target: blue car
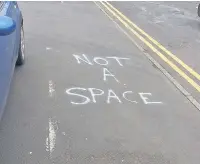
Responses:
[12,46]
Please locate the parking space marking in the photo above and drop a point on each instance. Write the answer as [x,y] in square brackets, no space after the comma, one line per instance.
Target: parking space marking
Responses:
[51,88]
[51,138]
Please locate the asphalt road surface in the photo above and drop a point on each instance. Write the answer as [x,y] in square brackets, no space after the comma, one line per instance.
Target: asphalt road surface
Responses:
[96,89]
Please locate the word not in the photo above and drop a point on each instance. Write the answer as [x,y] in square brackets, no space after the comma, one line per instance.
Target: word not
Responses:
[99,60]
[110,96]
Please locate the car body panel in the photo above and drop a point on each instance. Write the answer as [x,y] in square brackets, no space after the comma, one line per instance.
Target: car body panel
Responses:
[9,46]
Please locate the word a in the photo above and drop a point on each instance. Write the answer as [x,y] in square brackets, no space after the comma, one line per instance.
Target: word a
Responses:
[99,60]
[110,96]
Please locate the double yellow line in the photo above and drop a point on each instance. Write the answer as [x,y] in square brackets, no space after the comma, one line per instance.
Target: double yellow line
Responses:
[139,33]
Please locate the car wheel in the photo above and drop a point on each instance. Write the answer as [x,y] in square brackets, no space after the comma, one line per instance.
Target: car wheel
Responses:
[21,52]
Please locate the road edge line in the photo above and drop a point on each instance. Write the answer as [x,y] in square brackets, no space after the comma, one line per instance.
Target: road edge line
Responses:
[154,49]
[160,46]
[152,60]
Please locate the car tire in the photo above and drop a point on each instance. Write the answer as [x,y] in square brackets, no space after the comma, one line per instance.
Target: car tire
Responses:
[21,52]
[198,11]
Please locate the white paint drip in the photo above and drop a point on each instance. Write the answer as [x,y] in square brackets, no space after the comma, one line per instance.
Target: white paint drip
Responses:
[47,144]
[51,138]
[51,88]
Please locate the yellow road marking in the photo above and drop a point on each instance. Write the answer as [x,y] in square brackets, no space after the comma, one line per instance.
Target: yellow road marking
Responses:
[189,69]
[192,82]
